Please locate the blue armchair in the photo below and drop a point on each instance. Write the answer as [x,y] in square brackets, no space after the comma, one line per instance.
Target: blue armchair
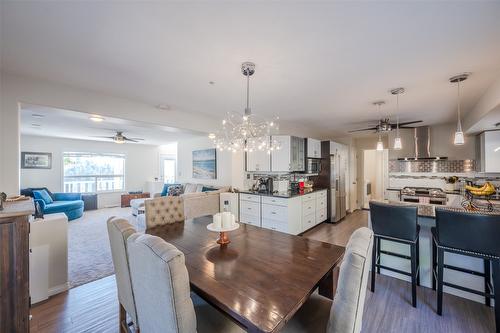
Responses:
[70,204]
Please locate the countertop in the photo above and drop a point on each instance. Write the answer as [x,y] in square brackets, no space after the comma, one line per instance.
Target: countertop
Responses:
[288,194]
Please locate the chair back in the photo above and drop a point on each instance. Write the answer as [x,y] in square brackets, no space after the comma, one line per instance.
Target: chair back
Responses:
[347,307]
[164,210]
[470,231]
[161,286]
[396,221]
[119,230]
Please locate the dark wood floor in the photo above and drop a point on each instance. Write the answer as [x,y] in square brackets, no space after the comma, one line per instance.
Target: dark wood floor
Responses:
[94,307]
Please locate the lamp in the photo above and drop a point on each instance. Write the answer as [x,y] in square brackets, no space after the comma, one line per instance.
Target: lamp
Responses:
[397,141]
[459,134]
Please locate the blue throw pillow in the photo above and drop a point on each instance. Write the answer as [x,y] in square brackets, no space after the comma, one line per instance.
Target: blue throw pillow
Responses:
[208,189]
[43,195]
[164,192]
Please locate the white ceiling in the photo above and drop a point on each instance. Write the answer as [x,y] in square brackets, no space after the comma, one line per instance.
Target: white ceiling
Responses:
[52,122]
[320,64]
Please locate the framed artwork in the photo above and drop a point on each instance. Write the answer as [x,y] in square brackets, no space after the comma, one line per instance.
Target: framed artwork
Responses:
[32,160]
[205,163]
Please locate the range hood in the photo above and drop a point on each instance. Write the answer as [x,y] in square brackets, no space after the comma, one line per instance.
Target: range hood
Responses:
[422,145]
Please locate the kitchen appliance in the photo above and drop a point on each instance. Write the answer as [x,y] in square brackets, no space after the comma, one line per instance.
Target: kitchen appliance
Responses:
[313,166]
[337,185]
[265,185]
[422,145]
[281,185]
[423,195]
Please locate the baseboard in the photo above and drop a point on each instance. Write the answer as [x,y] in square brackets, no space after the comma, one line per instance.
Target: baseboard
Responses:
[58,289]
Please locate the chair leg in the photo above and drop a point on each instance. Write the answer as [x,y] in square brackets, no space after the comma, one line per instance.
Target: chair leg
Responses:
[487,280]
[496,287]
[434,264]
[413,249]
[378,254]
[418,261]
[440,266]
[374,262]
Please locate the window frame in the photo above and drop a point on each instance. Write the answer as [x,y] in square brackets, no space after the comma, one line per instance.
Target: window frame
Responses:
[123,176]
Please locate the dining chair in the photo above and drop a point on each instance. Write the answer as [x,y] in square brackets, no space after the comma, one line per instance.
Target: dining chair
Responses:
[345,313]
[119,230]
[160,282]
[164,210]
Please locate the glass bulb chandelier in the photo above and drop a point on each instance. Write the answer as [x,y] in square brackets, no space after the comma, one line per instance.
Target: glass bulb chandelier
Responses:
[459,134]
[246,132]
[397,141]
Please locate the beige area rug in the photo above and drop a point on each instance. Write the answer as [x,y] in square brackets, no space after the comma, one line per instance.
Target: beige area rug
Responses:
[89,253]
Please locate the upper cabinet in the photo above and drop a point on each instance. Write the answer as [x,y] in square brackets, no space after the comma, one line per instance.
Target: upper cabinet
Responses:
[489,151]
[313,148]
[258,160]
[291,156]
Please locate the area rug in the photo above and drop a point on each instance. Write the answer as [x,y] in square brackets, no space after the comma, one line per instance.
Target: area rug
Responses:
[89,253]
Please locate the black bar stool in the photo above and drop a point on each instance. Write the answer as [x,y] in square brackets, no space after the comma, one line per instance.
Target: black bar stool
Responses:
[396,223]
[472,234]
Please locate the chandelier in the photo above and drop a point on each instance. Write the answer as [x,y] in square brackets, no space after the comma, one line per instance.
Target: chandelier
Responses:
[246,132]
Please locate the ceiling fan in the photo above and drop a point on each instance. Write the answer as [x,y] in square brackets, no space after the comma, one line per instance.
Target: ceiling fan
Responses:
[120,138]
[385,125]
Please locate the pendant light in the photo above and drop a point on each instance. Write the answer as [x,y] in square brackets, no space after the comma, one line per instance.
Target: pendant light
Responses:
[380,144]
[459,134]
[397,141]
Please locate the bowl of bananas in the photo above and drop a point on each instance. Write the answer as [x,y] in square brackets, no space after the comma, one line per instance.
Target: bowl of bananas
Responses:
[483,191]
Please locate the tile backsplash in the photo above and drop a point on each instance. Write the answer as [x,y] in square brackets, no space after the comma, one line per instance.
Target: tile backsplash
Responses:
[432,166]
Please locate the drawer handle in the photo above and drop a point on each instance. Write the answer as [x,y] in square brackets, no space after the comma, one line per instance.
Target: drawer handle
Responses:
[249,208]
[273,213]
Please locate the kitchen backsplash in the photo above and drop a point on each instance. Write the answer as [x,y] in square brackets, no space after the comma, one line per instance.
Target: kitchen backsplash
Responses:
[437,181]
[434,166]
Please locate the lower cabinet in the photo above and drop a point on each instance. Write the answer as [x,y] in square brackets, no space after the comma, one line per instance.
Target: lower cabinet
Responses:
[289,215]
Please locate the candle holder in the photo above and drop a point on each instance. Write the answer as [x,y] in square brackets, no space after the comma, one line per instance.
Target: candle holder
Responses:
[223,232]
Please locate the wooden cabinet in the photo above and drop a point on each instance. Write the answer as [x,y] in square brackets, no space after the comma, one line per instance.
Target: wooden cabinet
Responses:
[14,266]
[258,160]
[313,148]
[290,156]
[126,198]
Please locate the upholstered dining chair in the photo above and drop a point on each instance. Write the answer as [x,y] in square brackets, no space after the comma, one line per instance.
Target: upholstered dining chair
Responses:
[161,287]
[344,314]
[164,210]
[119,230]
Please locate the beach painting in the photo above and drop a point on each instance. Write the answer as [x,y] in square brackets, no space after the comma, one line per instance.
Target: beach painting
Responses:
[205,164]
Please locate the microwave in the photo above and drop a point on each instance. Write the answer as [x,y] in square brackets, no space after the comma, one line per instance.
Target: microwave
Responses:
[313,165]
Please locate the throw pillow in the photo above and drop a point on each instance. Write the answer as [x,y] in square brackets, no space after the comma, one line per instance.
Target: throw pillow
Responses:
[174,190]
[43,195]
[164,191]
[208,189]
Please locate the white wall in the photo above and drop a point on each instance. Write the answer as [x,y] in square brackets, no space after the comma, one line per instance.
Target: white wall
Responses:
[230,167]
[141,164]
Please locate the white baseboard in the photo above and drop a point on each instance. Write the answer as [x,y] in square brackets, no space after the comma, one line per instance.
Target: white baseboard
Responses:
[58,289]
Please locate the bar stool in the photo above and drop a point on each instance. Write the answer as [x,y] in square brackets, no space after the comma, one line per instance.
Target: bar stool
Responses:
[396,223]
[472,234]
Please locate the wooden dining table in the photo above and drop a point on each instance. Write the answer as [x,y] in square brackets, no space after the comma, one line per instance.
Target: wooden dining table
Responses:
[261,278]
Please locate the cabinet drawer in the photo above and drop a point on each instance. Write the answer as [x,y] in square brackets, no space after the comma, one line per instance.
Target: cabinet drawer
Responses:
[308,207]
[307,197]
[281,226]
[275,212]
[321,203]
[250,208]
[275,201]
[250,197]
[308,221]
[321,215]
[321,194]
[250,219]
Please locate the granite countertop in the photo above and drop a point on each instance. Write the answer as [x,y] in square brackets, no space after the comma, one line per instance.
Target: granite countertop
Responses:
[393,189]
[287,194]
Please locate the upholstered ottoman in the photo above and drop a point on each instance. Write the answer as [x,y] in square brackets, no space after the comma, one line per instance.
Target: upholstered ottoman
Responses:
[136,204]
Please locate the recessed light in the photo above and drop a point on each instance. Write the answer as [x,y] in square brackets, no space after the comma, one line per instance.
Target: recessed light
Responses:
[97,119]
[36,115]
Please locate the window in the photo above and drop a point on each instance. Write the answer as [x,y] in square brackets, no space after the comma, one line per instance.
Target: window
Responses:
[168,165]
[88,172]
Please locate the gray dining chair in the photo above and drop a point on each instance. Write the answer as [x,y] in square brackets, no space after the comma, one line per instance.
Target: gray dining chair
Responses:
[160,283]
[344,314]
[119,230]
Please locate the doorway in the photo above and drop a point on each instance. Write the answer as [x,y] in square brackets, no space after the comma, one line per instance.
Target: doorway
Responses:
[375,175]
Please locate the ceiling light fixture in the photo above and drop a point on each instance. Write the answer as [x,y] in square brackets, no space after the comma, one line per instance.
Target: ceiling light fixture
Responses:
[246,132]
[96,119]
[380,144]
[459,134]
[397,141]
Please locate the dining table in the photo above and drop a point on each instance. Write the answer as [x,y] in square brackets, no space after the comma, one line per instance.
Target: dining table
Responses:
[261,278]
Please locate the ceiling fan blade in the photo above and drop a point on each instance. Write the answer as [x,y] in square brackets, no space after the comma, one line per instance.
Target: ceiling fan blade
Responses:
[409,122]
[408,126]
[131,140]
[364,129]
[103,137]
[137,139]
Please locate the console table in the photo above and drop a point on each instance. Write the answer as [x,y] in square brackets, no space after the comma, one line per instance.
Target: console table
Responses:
[14,266]
[125,200]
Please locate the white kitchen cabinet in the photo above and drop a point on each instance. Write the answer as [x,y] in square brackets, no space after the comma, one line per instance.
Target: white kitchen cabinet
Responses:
[489,151]
[392,195]
[290,156]
[258,160]
[250,209]
[313,148]
[282,214]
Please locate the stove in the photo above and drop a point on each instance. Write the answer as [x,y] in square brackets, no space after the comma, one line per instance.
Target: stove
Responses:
[424,195]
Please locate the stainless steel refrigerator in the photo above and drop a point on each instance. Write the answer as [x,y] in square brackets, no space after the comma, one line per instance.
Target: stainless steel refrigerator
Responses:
[337,186]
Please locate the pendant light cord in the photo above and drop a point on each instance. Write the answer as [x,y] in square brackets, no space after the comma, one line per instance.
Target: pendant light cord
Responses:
[397,115]
[459,124]
[247,110]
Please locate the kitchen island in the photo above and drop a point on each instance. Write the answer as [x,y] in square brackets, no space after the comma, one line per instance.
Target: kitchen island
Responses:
[427,220]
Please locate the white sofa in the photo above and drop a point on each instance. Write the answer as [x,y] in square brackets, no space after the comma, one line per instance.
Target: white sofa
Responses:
[196,202]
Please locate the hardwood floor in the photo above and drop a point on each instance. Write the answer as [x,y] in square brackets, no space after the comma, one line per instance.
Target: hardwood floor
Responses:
[94,307]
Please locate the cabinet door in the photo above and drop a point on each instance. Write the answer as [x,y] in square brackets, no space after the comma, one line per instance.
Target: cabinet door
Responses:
[258,160]
[313,148]
[281,158]
[318,149]
[297,154]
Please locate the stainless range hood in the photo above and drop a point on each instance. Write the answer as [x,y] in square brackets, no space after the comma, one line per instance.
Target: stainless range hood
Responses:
[422,145]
